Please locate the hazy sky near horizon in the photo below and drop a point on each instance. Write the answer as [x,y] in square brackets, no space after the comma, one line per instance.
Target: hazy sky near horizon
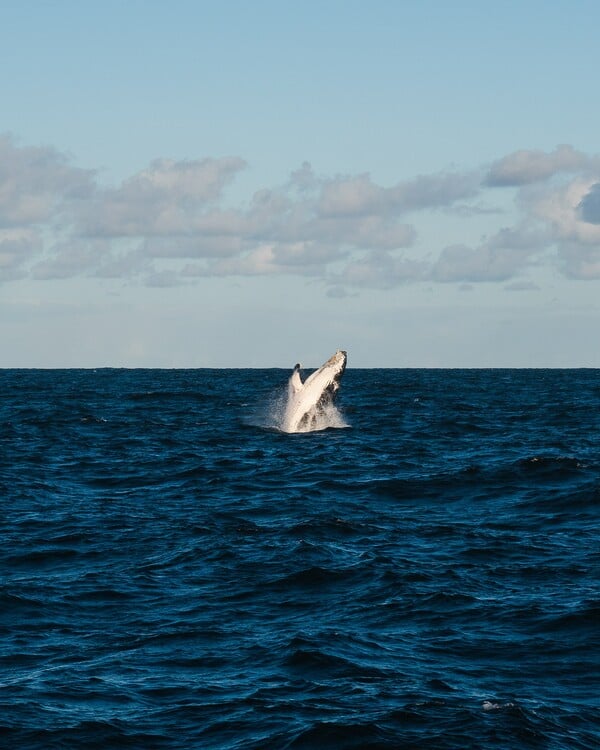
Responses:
[191,184]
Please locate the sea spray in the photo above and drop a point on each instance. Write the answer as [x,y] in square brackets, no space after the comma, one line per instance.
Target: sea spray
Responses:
[305,406]
[321,417]
[272,415]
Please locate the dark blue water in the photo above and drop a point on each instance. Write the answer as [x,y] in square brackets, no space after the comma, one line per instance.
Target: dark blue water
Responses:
[174,575]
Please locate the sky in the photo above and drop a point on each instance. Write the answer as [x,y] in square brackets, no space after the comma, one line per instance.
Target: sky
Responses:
[234,184]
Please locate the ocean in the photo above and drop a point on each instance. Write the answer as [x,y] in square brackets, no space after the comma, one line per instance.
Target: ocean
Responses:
[177,573]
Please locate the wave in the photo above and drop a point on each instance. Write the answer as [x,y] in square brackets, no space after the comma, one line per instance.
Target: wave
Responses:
[176,578]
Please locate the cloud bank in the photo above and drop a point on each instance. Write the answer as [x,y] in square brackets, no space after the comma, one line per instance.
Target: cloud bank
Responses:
[172,223]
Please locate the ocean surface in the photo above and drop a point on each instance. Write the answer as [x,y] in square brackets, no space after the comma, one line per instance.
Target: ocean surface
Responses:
[177,573]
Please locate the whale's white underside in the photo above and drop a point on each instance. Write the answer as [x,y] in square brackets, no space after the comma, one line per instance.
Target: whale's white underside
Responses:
[306,400]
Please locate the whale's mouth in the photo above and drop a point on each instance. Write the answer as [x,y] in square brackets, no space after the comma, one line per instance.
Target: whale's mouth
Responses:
[310,404]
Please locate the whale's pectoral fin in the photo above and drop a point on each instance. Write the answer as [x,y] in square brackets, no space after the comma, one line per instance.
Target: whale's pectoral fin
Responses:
[296,381]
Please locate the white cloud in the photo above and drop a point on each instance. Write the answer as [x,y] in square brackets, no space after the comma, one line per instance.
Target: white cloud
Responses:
[498,258]
[528,166]
[441,190]
[89,257]
[558,207]
[197,246]
[17,248]
[306,254]
[462,263]
[380,270]
[359,196]
[169,223]
[565,211]
[522,286]
[581,262]
[163,279]
[362,232]
[590,205]
[166,199]
[258,262]
[338,292]
[66,260]
[351,196]
[37,184]
[297,258]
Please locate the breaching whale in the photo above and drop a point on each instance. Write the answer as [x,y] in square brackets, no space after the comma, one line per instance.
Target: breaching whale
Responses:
[307,401]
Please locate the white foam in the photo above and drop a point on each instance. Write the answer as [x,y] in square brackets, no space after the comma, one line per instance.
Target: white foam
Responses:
[489,706]
[320,418]
[273,415]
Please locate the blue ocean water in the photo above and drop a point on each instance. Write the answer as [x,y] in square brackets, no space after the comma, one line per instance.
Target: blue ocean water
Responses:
[174,573]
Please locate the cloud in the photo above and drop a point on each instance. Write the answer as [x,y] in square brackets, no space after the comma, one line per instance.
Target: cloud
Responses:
[525,167]
[566,211]
[38,184]
[441,190]
[260,261]
[522,286]
[462,263]
[172,222]
[558,208]
[88,257]
[17,248]
[338,292]
[351,196]
[169,198]
[163,279]
[374,232]
[590,205]
[498,258]
[200,245]
[298,258]
[359,196]
[580,262]
[380,270]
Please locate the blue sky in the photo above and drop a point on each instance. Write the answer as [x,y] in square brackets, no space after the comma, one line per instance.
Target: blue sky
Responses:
[253,184]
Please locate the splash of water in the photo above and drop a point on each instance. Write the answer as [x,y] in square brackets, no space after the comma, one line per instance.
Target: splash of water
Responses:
[308,405]
[322,416]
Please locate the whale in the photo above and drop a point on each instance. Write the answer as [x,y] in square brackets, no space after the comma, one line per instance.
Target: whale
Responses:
[307,400]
